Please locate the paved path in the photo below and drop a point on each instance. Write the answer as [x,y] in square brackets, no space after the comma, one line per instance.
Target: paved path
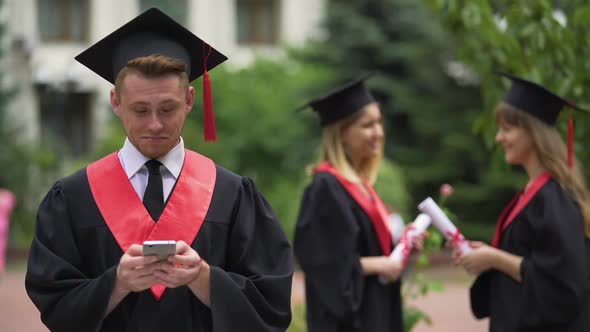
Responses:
[449,310]
[17,312]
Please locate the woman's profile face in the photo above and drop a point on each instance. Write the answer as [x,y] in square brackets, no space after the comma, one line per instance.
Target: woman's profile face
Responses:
[516,142]
[363,138]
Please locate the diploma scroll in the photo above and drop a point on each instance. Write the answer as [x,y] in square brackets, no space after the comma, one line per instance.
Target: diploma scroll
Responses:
[401,252]
[446,226]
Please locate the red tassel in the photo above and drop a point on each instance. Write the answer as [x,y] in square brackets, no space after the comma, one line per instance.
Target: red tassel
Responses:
[208,115]
[570,142]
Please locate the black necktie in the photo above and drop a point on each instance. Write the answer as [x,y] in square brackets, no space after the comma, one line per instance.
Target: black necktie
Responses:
[153,198]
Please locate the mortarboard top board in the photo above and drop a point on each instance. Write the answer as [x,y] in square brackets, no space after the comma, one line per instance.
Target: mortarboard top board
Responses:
[342,101]
[155,33]
[535,99]
[152,32]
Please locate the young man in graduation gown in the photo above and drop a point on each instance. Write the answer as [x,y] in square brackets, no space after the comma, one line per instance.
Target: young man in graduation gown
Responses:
[233,265]
[536,274]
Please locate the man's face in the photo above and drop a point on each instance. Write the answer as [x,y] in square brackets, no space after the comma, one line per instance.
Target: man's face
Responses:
[153,111]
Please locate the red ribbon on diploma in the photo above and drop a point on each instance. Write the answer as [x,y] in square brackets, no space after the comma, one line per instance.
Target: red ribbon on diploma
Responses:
[407,241]
[456,237]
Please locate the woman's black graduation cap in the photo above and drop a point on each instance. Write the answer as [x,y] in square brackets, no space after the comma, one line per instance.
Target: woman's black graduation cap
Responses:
[342,101]
[541,103]
[150,33]
[535,99]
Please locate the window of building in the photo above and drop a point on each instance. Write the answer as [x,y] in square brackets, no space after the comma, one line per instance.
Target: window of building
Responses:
[258,22]
[177,9]
[65,120]
[63,20]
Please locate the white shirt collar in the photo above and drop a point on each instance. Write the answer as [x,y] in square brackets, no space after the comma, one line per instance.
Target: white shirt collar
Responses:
[133,160]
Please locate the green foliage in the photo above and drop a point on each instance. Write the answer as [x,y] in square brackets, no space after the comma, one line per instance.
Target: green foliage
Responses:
[540,40]
[416,284]
[429,114]
[29,172]
[415,287]
[392,188]
[412,316]
[25,167]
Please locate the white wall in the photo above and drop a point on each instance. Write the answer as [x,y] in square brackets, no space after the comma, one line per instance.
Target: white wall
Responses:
[20,26]
[301,19]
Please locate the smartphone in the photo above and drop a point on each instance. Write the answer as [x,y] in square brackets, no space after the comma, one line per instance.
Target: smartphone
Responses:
[162,249]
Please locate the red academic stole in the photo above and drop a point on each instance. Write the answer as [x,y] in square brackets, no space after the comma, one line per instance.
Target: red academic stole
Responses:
[126,216]
[373,206]
[516,205]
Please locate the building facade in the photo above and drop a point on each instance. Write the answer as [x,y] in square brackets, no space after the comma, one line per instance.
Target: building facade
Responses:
[58,99]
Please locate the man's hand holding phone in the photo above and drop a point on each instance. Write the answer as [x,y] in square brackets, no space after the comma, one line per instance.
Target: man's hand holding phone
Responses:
[142,267]
[135,272]
[181,268]
[186,268]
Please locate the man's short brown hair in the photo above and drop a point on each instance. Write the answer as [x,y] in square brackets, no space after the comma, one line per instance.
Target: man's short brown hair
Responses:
[153,66]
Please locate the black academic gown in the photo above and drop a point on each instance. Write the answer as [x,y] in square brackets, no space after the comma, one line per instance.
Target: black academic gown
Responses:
[74,257]
[332,234]
[555,291]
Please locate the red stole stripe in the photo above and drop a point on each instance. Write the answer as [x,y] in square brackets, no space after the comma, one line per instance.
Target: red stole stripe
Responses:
[126,216]
[515,206]
[373,206]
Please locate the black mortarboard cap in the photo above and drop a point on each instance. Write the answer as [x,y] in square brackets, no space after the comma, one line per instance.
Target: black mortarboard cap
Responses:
[541,103]
[535,99]
[152,32]
[342,101]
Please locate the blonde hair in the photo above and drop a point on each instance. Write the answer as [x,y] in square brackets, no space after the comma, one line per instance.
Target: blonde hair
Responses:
[153,66]
[552,153]
[334,153]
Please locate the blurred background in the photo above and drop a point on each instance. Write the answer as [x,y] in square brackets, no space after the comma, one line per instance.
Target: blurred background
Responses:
[436,86]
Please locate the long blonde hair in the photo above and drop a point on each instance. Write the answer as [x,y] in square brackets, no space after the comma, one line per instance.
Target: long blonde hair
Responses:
[552,153]
[334,153]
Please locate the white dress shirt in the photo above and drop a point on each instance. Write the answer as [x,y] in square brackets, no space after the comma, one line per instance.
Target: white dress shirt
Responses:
[133,163]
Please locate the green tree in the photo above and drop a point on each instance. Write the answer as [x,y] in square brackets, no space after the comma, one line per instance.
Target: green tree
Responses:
[14,159]
[25,166]
[540,40]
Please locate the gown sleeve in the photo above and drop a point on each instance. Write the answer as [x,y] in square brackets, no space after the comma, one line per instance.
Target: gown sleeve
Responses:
[326,240]
[479,295]
[67,299]
[554,275]
[253,291]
